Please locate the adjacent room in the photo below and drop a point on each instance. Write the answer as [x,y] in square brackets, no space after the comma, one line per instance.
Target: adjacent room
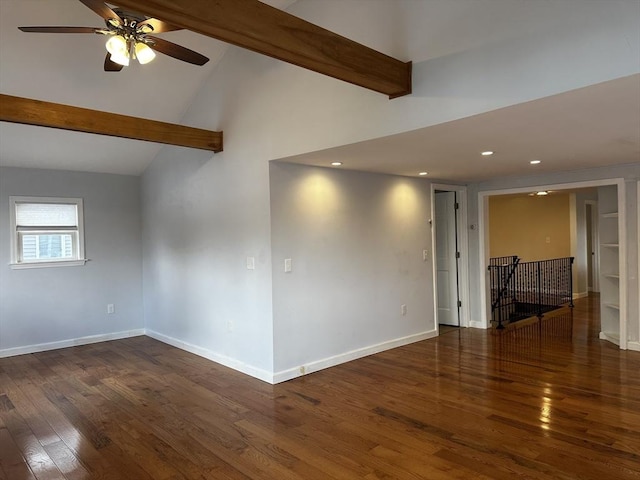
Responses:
[319,239]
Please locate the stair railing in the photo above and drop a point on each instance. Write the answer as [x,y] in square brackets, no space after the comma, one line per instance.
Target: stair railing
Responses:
[528,289]
[502,272]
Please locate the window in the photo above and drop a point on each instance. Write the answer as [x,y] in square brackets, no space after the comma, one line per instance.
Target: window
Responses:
[46,232]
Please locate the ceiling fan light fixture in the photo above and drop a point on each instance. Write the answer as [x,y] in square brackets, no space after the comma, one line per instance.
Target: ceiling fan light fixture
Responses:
[144,53]
[120,58]
[117,45]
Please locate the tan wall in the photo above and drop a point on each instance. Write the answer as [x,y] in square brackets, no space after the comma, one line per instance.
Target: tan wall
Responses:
[534,228]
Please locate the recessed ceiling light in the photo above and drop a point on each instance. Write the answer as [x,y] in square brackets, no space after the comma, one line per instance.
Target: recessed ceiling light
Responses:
[535,162]
[487,153]
[336,164]
[422,174]
[542,193]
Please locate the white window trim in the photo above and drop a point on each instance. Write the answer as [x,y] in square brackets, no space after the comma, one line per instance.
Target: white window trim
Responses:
[14,244]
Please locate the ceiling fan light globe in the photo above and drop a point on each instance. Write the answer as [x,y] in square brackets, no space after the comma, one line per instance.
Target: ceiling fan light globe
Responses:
[144,53]
[120,59]
[116,45]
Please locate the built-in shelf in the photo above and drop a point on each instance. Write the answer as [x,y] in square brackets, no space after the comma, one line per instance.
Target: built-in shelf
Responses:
[609,240]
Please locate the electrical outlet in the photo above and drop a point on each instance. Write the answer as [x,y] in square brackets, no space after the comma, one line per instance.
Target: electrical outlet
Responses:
[425,255]
[229,325]
[111,308]
[251,263]
[403,309]
[303,370]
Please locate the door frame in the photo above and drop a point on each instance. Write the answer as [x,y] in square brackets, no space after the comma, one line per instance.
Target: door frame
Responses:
[595,240]
[483,243]
[463,248]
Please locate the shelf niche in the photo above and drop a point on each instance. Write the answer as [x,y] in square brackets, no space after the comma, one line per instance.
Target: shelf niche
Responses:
[609,264]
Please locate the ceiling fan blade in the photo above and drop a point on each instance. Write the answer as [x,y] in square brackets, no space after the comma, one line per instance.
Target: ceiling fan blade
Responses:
[62,29]
[102,9]
[176,51]
[159,26]
[110,65]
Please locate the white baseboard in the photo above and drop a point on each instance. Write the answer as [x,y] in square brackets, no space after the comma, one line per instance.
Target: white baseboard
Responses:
[222,359]
[213,356]
[477,324]
[612,337]
[310,367]
[577,295]
[74,342]
[633,346]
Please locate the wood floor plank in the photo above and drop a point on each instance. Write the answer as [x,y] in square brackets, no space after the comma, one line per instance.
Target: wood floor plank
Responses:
[97,463]
[11,461]
[66,461]
[540,401]
[35,456]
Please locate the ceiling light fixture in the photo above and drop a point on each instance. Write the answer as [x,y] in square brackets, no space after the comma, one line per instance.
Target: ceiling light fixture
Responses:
[144,54]
[422,174]
[542,193]
[487,153]
[535,162]
[123,49]
[336,164]
[116,45]
[120,58]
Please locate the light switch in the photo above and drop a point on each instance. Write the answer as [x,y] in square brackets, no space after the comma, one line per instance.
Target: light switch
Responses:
[287,265]
[251,263]
[425,255]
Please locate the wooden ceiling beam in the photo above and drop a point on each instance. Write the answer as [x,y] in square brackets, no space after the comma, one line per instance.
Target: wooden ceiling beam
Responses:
[261,28]
[66,117]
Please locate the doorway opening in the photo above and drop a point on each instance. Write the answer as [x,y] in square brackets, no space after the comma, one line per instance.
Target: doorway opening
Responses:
[450,257]
[596,238]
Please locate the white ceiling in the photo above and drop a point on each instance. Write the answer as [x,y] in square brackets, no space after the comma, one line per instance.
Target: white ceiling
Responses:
[589,127]
[597,125]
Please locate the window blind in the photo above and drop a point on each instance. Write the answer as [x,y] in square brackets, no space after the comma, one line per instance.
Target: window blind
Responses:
[46,215]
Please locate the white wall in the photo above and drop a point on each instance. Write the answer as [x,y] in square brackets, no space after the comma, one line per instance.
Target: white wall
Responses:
[203,216]
[356,241]
[32,315]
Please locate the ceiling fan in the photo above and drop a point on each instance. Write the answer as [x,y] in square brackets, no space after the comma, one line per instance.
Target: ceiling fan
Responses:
[129,37]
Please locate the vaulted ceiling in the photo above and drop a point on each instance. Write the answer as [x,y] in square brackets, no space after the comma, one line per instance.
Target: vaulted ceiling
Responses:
[68,69]
[600,124]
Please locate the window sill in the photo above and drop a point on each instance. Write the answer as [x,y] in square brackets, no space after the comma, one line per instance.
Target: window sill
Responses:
[61,263]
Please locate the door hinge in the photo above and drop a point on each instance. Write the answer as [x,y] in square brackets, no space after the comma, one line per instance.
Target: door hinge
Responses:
[456,205]
[457,254]
[459,304]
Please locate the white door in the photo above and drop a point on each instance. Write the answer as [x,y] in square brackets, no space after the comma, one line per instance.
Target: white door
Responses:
[446,261]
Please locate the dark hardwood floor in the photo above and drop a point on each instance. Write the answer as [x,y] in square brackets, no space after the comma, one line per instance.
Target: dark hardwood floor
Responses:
[546,401]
